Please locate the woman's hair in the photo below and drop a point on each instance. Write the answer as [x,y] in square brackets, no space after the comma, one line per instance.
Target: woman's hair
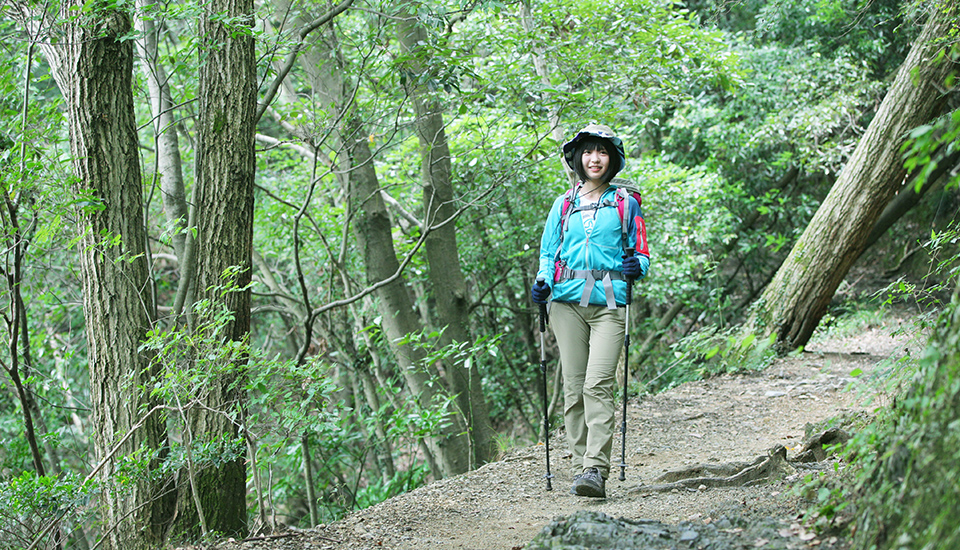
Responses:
[592,143]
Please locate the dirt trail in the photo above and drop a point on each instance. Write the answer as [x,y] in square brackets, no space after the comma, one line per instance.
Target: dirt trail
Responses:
[504,505]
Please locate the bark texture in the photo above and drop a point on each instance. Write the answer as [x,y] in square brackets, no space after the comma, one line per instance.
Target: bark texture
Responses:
[800,292]
[94,70]
[224,203]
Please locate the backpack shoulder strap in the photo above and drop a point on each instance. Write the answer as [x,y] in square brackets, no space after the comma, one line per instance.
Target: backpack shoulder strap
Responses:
[565,209]
[625,190]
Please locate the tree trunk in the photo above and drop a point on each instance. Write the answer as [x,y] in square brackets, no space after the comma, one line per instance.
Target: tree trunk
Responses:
[797,297]
[450,447]
[447,284]
[224,205]
[169,166]
[540,65]
[94,71]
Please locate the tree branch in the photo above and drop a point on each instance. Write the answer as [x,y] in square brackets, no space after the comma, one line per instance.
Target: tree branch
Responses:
[292,56]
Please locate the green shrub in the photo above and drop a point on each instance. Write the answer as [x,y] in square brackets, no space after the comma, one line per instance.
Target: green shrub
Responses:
[905,482]
[908,489]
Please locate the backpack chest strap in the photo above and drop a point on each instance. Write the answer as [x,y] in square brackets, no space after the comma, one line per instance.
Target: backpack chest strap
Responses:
[593,206]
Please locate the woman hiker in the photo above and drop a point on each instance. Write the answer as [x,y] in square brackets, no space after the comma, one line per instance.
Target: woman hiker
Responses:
[585,266]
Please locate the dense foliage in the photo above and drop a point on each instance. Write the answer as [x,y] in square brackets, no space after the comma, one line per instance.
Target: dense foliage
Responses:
[906,493]
[737,119]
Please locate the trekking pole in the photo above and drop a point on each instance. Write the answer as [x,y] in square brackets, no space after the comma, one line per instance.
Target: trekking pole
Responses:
[626,369]
[543,376]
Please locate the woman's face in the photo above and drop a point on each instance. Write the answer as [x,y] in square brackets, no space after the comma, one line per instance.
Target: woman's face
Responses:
[595,163]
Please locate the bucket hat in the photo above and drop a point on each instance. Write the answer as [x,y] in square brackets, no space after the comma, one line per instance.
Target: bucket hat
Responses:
[600,131]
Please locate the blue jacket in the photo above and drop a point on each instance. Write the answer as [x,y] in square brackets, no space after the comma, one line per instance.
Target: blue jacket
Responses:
[600,250]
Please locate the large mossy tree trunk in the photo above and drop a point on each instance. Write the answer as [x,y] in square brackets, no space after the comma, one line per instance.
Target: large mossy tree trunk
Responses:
[797,298]
[94,70]
[224,232]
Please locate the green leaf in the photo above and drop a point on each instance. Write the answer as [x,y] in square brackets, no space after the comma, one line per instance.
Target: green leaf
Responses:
[712,352]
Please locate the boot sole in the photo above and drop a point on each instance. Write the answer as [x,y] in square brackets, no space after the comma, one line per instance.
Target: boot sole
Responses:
[588,491]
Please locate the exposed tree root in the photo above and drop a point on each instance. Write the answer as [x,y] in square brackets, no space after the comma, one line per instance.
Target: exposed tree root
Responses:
[813,451]
[774,465]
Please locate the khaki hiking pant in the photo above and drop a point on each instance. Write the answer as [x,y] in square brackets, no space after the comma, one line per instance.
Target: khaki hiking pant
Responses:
[590,340]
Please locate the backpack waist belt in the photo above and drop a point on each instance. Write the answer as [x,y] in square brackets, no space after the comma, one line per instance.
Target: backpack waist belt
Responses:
[592,276]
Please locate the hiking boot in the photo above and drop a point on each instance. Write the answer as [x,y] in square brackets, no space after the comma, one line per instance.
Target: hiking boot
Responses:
[590,484]
[573,488]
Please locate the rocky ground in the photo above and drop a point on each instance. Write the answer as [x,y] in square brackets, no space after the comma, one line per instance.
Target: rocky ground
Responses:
[722,420]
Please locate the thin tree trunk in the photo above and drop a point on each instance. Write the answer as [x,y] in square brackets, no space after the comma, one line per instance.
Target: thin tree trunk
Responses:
[540,66]
[169,166]
[447,285]
[308,479]
[799,293]
[449,448]
[18,337]
[384,449]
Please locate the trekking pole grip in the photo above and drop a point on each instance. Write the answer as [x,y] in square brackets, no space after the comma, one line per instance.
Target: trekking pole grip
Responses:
[626,254]
[543,310]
